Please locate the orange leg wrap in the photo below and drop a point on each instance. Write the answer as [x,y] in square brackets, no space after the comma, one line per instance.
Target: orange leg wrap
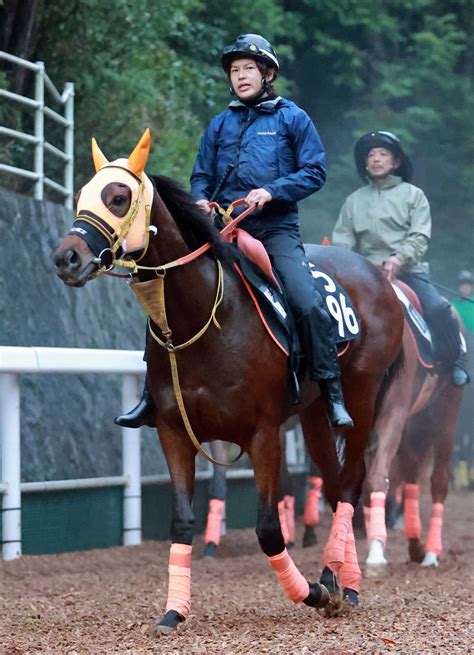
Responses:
[333,554]
[283,525]
[311,510]
[290,517]
[377,528]
[350,574]
[214,519]
[412,511]
[295,585]
[433,540]
[179,585]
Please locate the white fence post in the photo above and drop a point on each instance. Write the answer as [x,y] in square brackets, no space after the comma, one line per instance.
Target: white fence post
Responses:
[69,144]
[11,465]
[39,131]
[132,495]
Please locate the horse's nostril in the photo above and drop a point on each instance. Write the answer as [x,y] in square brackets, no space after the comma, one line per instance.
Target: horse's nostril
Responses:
[72,259]
[67,260]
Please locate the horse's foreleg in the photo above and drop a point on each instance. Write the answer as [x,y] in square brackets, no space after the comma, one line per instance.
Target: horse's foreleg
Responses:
[180,456]
[444,439]
[265,455]
[389,429]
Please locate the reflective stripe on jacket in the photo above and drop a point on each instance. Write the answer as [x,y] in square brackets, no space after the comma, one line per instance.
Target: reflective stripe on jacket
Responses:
[390,220]
[274,145]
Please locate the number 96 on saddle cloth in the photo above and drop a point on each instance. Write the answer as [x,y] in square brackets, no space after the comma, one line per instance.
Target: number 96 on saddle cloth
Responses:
[275,314]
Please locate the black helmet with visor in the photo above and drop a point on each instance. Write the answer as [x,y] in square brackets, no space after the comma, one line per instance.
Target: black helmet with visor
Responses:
[253,46]
[382,140]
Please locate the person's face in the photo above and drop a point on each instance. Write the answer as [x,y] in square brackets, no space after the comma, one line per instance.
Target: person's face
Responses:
[246,79]
[381,162]
[465,289]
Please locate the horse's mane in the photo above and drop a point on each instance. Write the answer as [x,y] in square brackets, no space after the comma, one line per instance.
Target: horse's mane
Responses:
[193,223]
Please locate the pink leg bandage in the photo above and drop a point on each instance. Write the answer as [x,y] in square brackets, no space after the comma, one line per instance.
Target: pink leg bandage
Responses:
[350,574]
[295,585]
[311,510]
[214,519]
[290,517]
[433,540]
[333,554]
[377,528]
[283,525]
[179,585]
[412,512]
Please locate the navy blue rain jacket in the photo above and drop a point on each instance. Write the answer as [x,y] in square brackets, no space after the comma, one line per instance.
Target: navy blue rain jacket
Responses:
[274,145]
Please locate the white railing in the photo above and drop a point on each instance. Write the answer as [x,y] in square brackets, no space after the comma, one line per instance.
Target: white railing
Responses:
[66,120]
[15,361]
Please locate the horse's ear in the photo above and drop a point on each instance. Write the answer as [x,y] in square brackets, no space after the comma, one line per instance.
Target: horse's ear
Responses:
[138,158]
[98,156]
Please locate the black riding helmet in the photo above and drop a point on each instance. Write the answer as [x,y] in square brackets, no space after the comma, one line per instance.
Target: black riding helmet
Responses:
[381,140]
[253,46]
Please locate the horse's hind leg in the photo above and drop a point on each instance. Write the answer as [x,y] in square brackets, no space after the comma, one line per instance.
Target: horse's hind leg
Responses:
[180,457]
[444,416]
[265,455]
[347,465]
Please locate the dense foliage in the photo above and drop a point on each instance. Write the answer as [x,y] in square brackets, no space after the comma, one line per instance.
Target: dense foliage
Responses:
[354,65]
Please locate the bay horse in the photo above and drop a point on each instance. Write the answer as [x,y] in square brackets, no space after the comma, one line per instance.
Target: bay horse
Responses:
[417,420]
[218,373]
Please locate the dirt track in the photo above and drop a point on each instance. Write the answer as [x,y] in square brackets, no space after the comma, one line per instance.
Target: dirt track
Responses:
[103,601]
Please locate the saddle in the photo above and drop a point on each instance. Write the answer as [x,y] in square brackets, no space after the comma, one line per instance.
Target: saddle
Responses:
[254,267]
[417,325]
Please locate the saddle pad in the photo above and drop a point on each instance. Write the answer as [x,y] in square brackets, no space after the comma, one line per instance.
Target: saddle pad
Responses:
[418,328]
[338,304]
[276,316]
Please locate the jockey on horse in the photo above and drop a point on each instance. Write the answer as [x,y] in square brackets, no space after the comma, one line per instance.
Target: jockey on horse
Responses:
[389,222]
[265,148]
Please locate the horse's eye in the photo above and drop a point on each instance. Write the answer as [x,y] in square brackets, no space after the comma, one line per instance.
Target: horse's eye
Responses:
[119,200]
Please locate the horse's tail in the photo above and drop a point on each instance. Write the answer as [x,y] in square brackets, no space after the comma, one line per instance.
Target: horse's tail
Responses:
[391,374]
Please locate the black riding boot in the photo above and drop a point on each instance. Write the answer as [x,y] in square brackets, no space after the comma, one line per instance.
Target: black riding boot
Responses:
[143,414]
[459,375]
[332,393]
[316,330]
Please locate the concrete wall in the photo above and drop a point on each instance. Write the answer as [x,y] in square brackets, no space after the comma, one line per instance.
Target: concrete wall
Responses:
[67,427]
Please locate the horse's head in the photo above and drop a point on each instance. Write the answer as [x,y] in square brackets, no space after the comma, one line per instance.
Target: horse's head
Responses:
[113,213]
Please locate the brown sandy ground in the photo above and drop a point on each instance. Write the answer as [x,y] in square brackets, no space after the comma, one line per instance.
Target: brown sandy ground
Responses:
[103,601]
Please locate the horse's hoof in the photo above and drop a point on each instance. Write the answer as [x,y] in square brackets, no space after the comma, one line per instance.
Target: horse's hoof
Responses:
[430,559]
[416,551]
[210,549]
[376,555]
[310,538]
[168,623]
[290,545]
[351,596]
[318,595]
[329,580]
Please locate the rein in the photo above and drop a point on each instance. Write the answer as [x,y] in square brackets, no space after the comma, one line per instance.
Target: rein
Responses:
[159,312]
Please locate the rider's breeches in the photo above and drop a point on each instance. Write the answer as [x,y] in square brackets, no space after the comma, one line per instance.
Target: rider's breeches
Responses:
[315,327]
[437,313]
